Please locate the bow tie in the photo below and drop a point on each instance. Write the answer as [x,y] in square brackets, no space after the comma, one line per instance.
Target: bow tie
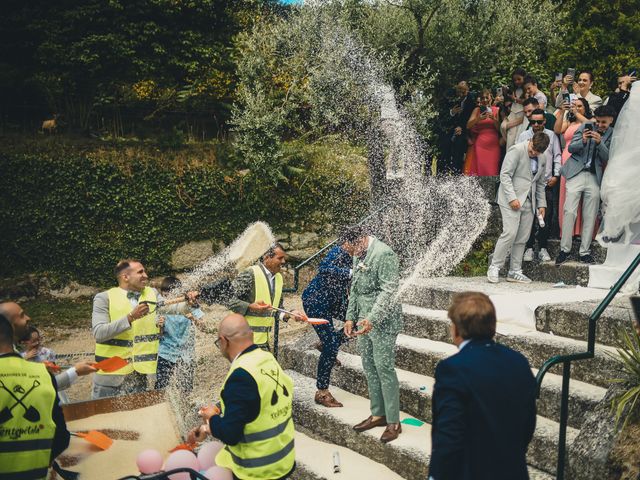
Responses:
[135,295]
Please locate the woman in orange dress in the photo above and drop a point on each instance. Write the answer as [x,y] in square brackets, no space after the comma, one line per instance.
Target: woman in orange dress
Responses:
[485,124]
[568,118]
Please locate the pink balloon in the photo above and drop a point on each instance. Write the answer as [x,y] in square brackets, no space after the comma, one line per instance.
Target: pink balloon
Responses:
[181,459]
[149,461]
[207,454]
[218,473]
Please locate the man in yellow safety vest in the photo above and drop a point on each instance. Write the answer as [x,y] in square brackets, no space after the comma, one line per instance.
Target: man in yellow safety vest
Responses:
[254,417]
[257,289]
[32,428]
[124,325]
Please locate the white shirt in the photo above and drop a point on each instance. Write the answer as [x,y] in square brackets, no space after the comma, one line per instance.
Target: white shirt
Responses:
[464,344]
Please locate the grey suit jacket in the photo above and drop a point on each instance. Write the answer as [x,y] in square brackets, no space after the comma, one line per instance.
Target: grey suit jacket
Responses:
[516,181]
[579,151]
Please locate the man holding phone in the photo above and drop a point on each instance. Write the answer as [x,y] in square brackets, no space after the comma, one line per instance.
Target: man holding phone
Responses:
[583,170]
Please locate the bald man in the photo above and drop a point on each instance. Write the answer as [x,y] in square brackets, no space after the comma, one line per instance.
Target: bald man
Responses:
[20,321]
[254,416]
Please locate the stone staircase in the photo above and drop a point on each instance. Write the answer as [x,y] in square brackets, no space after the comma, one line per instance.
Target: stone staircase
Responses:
[561,328]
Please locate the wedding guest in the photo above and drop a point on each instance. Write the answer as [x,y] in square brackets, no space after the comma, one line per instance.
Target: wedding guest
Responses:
[460,113]
[514,125]
[485,124]
[520,196]
[581,87]
[568,118]
[583,171]
[531,87]
[531,104]
[484,400]
[619,97]
[553,156]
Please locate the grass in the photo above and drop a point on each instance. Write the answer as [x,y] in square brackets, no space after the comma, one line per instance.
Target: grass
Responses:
[48,312]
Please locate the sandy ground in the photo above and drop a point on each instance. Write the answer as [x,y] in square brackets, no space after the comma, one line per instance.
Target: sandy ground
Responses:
[73,344]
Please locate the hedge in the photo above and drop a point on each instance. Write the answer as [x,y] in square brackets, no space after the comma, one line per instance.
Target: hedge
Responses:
[75,210]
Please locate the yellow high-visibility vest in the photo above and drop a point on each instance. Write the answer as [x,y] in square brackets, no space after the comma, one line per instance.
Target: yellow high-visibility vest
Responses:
[27,428]
[139,344]
[261,323]
[266,450]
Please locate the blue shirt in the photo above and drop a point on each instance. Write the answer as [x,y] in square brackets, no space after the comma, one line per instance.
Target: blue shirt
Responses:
[179,339]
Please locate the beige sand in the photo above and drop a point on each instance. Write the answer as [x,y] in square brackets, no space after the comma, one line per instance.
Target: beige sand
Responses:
[154,424]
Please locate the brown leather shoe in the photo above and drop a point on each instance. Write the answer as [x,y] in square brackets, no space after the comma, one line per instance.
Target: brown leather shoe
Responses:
[326,400]
[370,423]
[318,346]
[391,432]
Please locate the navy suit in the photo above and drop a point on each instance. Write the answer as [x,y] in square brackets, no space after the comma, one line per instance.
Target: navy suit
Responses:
[484,414]
[326,297]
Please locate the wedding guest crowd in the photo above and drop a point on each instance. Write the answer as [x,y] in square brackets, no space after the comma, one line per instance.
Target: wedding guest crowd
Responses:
[579,125]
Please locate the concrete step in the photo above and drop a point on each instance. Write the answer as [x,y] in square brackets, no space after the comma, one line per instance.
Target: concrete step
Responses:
[599,253]
[416,389]
[429,341]
[567,319]
[408,456]
[314,461]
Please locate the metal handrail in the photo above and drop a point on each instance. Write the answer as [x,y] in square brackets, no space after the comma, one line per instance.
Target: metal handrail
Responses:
[567,359]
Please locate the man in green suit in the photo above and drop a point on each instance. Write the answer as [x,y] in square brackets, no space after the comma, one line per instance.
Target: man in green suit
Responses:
[378,320]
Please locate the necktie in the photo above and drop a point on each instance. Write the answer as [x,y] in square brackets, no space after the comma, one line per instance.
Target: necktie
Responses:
[135,295]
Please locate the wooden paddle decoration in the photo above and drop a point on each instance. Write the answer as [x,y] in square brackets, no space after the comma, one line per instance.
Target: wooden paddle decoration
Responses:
[96,438]
[111,364]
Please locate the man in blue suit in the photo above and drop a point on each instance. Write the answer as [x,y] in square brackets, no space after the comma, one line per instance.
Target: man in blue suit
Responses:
[326,297]
[484,401]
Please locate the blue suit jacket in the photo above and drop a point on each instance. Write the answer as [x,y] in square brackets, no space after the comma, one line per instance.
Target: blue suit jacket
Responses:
[326,295]
[484,414]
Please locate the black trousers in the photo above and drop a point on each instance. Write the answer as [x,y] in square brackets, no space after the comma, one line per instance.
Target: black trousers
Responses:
[550,215]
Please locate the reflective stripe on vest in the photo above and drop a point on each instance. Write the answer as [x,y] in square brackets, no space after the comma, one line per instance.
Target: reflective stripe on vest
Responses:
[266,449]
[138,344]
[262,322]
[26,437]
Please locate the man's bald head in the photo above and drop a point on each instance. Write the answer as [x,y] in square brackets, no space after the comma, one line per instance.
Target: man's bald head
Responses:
[234,335]
[462,89]
[17,317]
[235,326]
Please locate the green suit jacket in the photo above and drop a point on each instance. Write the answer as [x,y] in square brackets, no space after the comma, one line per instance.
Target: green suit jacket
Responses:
[373,289]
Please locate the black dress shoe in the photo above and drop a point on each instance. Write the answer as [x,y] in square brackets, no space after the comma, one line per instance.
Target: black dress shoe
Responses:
[561,258]
[588,259]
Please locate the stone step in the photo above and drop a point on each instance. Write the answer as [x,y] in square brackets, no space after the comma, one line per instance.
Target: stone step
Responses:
[567,319]
[598,253]
[408,456]
[570,273]
[314,461]
[416,389]
[427,341]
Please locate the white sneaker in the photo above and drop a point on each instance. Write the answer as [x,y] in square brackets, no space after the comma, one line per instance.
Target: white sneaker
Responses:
[493,274]
[528,255]
[518,277]
[544,256]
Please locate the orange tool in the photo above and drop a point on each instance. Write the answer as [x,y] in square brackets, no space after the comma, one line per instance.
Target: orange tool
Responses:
[52,367]
[317,321]
[96,438]
[184,446]
[111,364]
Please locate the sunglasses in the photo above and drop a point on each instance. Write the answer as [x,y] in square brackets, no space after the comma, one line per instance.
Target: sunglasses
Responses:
[217,343]
[537,122]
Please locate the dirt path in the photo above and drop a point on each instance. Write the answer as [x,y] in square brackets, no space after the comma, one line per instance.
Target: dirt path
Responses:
[75,344]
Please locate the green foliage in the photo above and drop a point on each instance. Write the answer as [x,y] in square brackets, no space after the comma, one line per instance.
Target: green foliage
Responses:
[603,36]
[77,210]
[475,263]
[625,405]
[49,312]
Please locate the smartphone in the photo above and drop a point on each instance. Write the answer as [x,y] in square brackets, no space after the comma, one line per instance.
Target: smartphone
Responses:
[559,77]
[566,97]
[588,127]
[572,72]
[499,92]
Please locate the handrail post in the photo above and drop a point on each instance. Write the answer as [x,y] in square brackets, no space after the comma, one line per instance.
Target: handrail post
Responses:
[564,418]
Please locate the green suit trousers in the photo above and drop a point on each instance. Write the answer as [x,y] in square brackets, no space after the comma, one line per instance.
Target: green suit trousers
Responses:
[377,350]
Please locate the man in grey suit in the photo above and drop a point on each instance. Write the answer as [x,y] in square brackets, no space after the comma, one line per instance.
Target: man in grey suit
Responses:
[589,150]
[520,196]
